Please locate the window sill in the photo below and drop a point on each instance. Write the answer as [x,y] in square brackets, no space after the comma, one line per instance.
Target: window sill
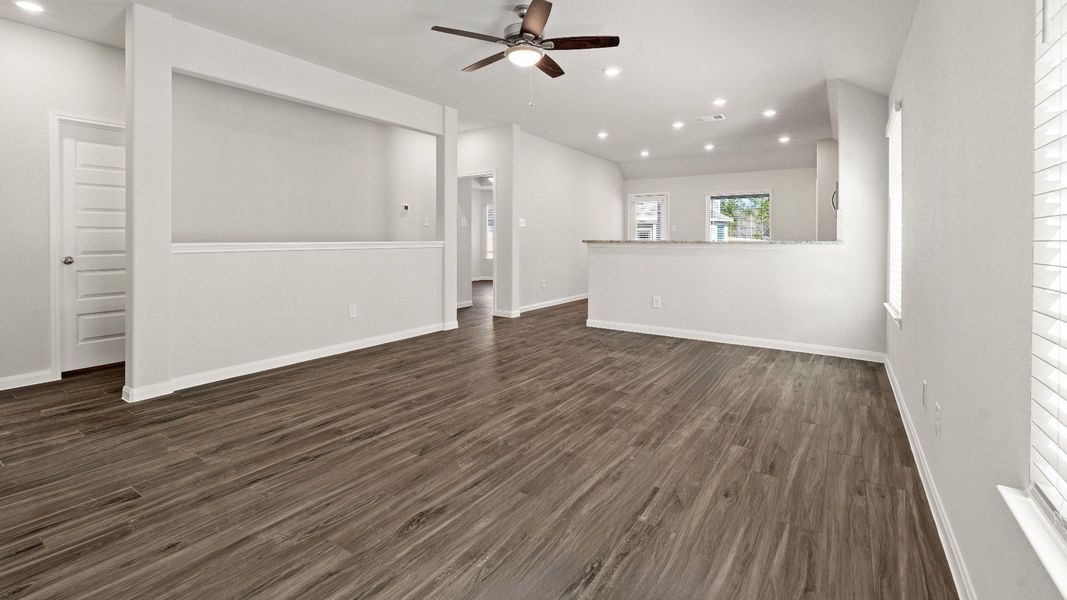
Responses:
[893,313]
[1047,542]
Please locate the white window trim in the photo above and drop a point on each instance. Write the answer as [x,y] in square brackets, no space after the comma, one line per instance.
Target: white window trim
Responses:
[1044,528]
[894,306]
[1045,536]
[631,225]
[769,192]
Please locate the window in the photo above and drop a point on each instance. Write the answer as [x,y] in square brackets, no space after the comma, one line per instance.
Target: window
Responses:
[738,217]
[647,217]
[490,224]
[896,206]
[1048,383]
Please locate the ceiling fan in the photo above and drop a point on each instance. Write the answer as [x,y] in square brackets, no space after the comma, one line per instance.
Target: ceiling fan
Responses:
[526,43]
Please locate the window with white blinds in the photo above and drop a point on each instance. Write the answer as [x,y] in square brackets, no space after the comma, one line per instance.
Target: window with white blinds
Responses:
[490,226]
[647,217]
[896,207]
[1048,409]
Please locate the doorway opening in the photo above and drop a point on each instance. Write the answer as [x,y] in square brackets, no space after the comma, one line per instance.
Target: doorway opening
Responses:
[476,251]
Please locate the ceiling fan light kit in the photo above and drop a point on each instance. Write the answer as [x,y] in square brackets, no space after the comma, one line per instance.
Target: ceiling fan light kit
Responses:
[524,55]
[525,41]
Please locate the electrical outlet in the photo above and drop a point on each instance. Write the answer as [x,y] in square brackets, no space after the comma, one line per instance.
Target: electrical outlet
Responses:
[463,222]
[924,393]
[426,221]
[544,283]
[937,419]
[522,221]
[353,311]
[657,302]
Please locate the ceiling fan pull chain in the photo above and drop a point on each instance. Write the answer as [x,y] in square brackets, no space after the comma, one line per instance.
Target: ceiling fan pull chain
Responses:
[531,89]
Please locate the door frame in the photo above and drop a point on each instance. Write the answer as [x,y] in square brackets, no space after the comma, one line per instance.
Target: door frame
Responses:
[56,120]
[496,222]
[631,225]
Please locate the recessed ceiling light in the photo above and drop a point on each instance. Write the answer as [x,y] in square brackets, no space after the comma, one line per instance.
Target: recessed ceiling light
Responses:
[784,139]
[678,124]
[644,153]
[719,102]
[770,112]
[602,134]
[612,71]
[28,6]
[709,147]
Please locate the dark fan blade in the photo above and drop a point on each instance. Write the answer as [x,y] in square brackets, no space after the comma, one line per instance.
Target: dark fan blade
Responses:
[468,34]
[550,67]
[585,42]
[536,17]
[484,62]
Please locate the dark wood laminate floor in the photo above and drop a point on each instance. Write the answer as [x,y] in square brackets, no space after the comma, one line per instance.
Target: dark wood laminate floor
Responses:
[526,458]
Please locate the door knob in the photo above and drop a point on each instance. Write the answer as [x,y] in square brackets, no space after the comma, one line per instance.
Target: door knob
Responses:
[68,260]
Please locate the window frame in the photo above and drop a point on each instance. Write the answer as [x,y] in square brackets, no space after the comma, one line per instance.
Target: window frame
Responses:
[894,302]
[631,221]
[708,196]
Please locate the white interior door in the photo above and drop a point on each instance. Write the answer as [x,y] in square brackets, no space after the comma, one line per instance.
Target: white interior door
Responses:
[93,164]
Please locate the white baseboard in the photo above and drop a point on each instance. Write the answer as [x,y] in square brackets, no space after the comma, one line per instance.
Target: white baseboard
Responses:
[204,377]
[24,379]
[739,340]
[962,578]
[465,304]
[508,314]
[147,392]
[490,278]
[555,302]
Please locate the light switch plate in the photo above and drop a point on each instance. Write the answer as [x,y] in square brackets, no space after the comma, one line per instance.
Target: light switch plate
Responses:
[463,222]
[353,311]
[657,301]
[426,221]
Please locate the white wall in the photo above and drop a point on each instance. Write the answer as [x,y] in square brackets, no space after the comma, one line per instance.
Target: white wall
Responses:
[299,304]
[494,150]
[792,200]
[967,159]
[464,241]
[481,267]
[820,297]
[826,177]
[41,71]
[253,168]
[291,323]
[786,296]
[565,196]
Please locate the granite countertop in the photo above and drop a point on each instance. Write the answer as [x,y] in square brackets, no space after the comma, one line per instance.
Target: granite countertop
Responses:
[707,243]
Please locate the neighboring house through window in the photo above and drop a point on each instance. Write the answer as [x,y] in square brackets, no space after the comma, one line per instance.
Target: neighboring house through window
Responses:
[738,216]
[718,224]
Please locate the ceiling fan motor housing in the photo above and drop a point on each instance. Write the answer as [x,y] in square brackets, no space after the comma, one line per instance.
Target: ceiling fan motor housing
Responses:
[513,33]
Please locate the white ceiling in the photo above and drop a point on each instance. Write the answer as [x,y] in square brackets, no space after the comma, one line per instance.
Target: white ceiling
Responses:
[676,57]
